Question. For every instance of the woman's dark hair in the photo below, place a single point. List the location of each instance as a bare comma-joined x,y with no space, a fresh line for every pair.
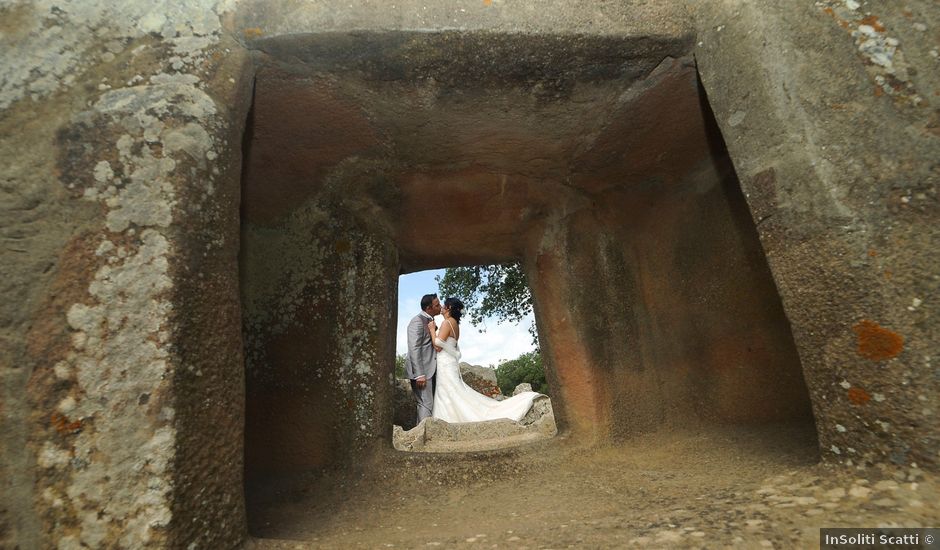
456,308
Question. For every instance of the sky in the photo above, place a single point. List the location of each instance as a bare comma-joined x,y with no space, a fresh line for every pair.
501,341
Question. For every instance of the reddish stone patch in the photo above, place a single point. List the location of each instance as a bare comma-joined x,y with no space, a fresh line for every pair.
300,131
63,426
858,396
662,133
483,209
763,199
872,21
48,338
877,343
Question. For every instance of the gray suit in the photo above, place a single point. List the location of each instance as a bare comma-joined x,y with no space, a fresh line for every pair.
421,360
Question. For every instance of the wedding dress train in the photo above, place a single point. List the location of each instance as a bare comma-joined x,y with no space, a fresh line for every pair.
455,401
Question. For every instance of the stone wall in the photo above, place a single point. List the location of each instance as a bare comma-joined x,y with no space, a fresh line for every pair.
570,135
122,358
660,289
319,303
830,112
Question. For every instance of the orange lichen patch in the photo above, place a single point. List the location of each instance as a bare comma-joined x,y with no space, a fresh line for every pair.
487,2
62,424
907,13
877,343
858,396
872,21
842,22
872,252
252,32
878,91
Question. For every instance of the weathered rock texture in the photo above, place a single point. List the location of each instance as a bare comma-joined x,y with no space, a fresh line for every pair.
836,148
437,436
175,314
482,379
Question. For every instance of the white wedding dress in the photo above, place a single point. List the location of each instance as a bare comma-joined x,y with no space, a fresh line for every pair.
455,401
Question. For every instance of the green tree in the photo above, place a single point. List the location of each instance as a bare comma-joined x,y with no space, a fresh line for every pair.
525,368
399,366
498,290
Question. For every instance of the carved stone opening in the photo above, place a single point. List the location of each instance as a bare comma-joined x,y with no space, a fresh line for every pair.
437,436
593,160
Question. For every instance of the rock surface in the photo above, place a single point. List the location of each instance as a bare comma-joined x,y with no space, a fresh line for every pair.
482,379
205,210
525,386
405,405
436,436
734,487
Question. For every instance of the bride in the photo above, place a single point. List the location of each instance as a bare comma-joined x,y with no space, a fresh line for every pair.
454,400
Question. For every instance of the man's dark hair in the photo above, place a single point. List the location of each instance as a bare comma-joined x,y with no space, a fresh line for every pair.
426,301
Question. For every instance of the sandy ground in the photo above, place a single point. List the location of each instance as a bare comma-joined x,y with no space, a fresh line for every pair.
739,488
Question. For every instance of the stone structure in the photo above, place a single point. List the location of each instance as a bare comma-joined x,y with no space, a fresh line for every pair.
482,379
436,436
728,212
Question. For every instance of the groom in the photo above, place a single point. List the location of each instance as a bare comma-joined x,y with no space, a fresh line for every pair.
421,362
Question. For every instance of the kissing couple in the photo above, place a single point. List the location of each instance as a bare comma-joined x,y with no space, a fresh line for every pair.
433,367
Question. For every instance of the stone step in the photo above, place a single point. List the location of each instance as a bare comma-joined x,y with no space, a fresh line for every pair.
434,435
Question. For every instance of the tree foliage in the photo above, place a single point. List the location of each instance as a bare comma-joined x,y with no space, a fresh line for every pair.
400,365
525,368
498,290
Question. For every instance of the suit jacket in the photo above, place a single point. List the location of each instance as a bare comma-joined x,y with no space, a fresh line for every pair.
421,358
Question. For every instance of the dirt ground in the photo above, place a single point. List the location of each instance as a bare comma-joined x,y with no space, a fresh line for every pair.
726,487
